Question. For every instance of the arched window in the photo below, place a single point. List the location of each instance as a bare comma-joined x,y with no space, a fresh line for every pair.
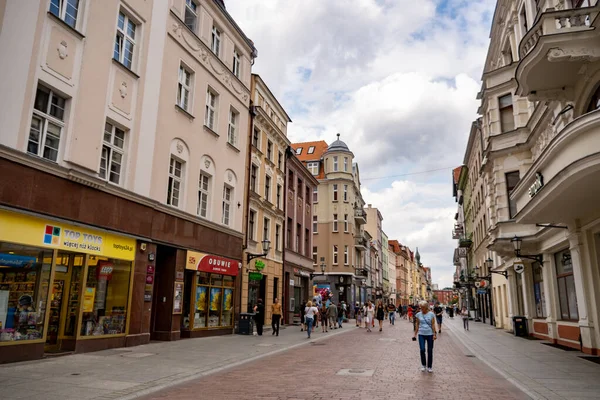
594,103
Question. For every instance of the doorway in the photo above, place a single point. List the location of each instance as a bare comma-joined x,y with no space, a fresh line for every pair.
256,290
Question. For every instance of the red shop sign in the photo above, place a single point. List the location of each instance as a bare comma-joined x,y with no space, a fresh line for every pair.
213,264
104,269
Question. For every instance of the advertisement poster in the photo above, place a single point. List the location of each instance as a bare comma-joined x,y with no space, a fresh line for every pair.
227,299
201,298
88,299
178,298
321,291
215,299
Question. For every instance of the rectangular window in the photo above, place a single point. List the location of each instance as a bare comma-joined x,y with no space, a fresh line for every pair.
191,16
269,150
345,192
346,223
215,44
507,119
346,260
236,63
313,167
291,181
280,161
253,174
298,237
335,222
66,10
203,193
299,183
47,123
288,238
299,151
335,254
307,195
184,88
256,138
226,204
266,229
211,109
277,237
345,164
538,291
306,242
279,196
175,179
567,294
315,195
311,149
232,131
335,192
512,179
335,163
315,224
252,225
267,188
125,41
111,160
315,255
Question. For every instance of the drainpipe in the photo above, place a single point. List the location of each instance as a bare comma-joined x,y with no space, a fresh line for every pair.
287,154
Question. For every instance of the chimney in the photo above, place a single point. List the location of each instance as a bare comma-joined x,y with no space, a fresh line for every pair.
370,205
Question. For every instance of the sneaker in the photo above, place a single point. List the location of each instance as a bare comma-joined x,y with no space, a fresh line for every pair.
423,368
430,370
440,331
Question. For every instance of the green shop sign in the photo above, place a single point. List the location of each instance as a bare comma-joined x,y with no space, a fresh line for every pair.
259,265
255,276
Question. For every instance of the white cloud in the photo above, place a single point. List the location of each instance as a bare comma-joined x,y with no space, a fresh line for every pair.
397,80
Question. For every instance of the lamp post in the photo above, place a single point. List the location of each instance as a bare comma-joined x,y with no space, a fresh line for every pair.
323,266
517,243
266,246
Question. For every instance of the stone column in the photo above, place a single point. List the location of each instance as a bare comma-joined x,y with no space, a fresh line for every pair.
528,296
551,295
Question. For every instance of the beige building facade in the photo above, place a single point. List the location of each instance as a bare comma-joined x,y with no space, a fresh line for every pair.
539,128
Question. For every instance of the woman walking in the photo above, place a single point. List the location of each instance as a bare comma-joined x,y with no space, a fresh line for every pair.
425,328
370,314
465,317
380,314
310,315
323,316
259,316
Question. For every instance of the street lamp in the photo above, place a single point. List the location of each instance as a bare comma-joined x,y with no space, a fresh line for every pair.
266,246
489,263
323,266
517,242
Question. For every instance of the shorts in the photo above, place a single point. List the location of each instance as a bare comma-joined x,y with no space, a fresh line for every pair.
438,318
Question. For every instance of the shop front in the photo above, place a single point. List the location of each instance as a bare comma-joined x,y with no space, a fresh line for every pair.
63,287
206,297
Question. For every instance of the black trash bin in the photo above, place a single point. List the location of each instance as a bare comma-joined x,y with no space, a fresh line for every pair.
246,325
520,326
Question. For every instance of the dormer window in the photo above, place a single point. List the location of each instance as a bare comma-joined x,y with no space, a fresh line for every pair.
299,151
311,149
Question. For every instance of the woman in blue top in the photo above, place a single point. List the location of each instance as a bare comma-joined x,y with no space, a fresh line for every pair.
425,328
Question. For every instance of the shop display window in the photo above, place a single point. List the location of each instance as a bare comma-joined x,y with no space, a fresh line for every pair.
24,280
105,297
213,301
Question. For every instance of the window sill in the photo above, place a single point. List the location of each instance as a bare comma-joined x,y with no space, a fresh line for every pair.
125,68
65,25
232,147
183,110
206,128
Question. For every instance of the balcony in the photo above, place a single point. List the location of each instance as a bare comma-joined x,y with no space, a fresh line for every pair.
360,216
360,243
555,53
465,242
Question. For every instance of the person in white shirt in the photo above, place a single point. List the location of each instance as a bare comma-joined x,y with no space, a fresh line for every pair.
310,315
369,314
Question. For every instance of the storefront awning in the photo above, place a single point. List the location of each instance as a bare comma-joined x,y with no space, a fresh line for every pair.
212,263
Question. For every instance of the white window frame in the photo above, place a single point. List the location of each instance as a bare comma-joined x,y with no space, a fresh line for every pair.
269,150
346,223
124,35
315,195
45,118
112,148
173,179
335,192
346,193
335,163
252,228
313,167
299,151
62,6
315,222
254,185
226,209
311,150
279,193
215,44
211,109
315,254
185,88
266,228
335,254
257,144
232,126
346,255
191,6
204,194
278,230
345,164
236,64
335,223
268,187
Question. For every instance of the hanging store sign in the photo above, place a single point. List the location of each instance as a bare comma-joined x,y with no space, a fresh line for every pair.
462,252
212,264
519,266
259,265
537,184
255,276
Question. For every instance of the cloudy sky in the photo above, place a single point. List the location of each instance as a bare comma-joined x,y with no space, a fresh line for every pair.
397,79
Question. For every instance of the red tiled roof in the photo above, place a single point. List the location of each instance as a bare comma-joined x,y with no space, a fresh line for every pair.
396,246
456,174
320,149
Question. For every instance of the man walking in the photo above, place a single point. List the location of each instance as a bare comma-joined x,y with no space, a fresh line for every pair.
276,317
340,314
332,313
439,315
392,313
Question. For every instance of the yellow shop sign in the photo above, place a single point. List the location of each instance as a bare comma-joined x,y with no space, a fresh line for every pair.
33,231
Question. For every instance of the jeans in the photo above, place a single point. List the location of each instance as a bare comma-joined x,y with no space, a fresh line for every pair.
429,340
340,320
466,323
275,323
309,325
392,317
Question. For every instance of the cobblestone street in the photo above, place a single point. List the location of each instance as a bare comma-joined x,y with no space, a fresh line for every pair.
355,365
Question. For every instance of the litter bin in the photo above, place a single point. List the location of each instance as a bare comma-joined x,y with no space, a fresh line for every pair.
246,325
520,326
